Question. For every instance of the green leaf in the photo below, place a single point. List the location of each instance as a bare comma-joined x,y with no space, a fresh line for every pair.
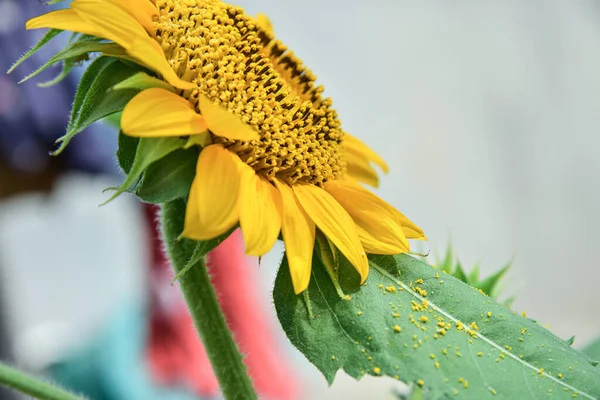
490,284
126,151
74,51
148,151
142,81
435,343
94,99
45,39
459,272
66,69
169,178
202,248
474,275
448,264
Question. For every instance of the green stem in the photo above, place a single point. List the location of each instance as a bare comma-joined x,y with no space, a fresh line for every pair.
15,379
204,307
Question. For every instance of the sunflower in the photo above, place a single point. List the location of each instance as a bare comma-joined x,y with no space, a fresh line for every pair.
274,156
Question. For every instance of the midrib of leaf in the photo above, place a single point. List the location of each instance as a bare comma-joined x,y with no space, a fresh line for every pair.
479,335
332,311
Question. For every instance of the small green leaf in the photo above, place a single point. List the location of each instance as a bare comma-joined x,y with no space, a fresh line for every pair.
74,51
335,264
126,151
142,81
85,83
148,151
45,39
201,250
490,284
64,72
459,272
169,178
455,341
94,99
112,102
448,264
474,275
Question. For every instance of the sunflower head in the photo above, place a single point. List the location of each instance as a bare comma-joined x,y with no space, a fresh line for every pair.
273,157
240,66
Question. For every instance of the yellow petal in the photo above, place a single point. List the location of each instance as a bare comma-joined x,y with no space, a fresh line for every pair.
373,246
260,212
355,145
360,169
335,223
411,231
263,22
375,217
216,188
299,236
138,45
67,20
149,53
157,112
223,123
355,191
191,213
142,11
114,23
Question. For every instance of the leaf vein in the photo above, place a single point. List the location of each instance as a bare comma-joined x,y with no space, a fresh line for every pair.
479,335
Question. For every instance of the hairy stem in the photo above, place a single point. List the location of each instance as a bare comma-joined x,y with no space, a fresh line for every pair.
204,307
32,386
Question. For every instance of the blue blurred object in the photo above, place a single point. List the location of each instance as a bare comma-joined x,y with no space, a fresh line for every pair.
114,366
32,118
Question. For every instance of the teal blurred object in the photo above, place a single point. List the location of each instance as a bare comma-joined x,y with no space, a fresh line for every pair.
114,366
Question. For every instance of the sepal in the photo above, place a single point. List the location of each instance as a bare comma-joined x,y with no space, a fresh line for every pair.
147,152
94,98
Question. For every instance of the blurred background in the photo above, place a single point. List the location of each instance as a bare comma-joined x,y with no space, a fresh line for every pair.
486,112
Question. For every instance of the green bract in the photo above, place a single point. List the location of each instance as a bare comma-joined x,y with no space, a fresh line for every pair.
489,285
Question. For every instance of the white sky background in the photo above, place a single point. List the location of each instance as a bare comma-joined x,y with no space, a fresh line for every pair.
488,114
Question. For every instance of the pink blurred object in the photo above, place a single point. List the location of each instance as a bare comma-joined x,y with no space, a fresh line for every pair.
175,353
